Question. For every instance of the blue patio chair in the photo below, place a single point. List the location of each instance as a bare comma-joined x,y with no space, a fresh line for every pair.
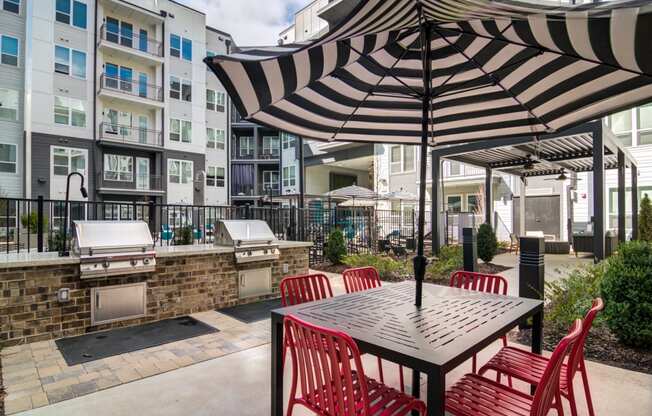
166,233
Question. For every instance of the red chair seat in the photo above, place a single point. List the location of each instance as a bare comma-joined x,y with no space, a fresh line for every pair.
474,395
523,365
384,400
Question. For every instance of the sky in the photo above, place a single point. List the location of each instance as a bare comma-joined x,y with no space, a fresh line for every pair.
250,22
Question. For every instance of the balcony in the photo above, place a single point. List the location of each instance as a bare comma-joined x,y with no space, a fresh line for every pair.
273,189
239,154
242,189
128,183
130,136
131,44
130,90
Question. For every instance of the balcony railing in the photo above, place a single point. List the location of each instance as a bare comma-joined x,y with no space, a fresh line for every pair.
129,181
242,189
131,87
133,41
269,189
130,135
238,154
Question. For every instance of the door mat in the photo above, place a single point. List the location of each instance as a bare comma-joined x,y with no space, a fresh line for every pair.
252,312
91,347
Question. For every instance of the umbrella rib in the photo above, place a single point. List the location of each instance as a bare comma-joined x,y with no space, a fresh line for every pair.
355,110
544,49
496,81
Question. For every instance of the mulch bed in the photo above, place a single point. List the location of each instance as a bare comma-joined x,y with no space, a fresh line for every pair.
329,268
601,346
491,268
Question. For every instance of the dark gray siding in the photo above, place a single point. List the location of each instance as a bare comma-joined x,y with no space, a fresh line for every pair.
199,164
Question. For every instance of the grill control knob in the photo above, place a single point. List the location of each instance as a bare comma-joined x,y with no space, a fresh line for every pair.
145,260
248,253
133,262
105,264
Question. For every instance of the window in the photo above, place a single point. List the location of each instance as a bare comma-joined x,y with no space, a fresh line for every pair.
8,104
408,158
645,124
454,168
175,87
395,159
289,176
69,62
180,130
179,171
186,49
270,181
214,138
69,111
270,146
209,54
118,168
215,100
9,48
119,32
454,203
66,160
186,90
67,9
401,159
7,158
175,45
472,203
215,177
621,125
288,141
11,6
613,204
246,146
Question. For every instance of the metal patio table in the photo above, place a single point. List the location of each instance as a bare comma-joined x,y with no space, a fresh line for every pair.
451,325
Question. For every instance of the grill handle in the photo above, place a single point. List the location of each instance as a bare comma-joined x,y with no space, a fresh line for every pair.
97,300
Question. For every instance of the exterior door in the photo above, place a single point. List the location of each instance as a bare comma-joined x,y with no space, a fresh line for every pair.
142,129
142,85
142,173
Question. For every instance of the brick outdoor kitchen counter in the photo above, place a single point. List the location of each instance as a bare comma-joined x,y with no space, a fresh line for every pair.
187,279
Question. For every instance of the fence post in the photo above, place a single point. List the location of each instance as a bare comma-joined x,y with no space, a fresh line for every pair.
39,223
470,249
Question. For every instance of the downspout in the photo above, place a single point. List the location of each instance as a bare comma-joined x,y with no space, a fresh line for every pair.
92,185
27,107
227,138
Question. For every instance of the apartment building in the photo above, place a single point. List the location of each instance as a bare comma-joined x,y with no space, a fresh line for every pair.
117,91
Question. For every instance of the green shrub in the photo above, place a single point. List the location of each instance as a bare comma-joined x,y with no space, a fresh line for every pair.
31,221
487,243
570,298
184,236
449,260
55,241
335,248
388,268
645,220
627,291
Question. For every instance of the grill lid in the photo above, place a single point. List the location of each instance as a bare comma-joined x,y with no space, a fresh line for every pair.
239,232
112,236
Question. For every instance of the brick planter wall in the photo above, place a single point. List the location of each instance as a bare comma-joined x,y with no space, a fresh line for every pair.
181,284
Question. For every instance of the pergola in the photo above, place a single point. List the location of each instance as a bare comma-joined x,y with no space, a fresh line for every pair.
589,147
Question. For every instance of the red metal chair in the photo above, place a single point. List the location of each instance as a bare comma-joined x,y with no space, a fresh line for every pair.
332,387
359,279
487,283
474,395
530,367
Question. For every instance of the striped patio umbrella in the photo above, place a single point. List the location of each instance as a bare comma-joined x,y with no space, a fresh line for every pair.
434,72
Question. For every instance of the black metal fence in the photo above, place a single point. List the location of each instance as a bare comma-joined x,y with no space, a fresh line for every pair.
37,224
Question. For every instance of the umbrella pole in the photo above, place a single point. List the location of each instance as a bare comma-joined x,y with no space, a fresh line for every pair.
420,259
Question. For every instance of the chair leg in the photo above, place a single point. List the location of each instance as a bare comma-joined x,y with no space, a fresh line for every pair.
558,405
380,370
401,379
587,390
474,364
571,400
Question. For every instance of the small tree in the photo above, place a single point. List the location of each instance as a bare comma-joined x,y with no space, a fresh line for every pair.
487,243
335,249
645,220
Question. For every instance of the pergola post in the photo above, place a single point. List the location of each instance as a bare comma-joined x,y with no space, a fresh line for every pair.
634,171
621,197
598,196
435,161
488,197
521,207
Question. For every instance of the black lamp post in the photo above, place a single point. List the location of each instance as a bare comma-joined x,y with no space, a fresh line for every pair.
64,251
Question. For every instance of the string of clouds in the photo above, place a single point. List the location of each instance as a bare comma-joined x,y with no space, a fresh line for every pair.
250,22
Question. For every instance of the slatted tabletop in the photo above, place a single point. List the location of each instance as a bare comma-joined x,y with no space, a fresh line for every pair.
449,327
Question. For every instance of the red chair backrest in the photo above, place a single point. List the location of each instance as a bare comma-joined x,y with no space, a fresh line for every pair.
577,352
360,278
482,282
328,385
549,384
304,288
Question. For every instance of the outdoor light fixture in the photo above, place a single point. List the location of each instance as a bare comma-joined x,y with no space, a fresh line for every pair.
64,250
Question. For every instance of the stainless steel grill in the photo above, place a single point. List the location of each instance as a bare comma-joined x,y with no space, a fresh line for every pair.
252,240
107,248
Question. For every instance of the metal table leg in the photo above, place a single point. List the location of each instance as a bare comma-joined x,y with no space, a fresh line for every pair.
277,367
436,396
416,387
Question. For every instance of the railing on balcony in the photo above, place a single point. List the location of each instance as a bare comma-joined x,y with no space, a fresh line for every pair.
269,154
130,135
251,154
273,189
131,87
129,181
133,41
236,117
242,189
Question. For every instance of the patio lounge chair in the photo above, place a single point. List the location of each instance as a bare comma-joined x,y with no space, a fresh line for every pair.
530,367
363,278
488,283
474,395
330,386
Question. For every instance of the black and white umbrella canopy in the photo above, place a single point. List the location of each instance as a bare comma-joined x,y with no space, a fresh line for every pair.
498,69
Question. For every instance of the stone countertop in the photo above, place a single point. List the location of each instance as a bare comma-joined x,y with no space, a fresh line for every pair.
29,259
